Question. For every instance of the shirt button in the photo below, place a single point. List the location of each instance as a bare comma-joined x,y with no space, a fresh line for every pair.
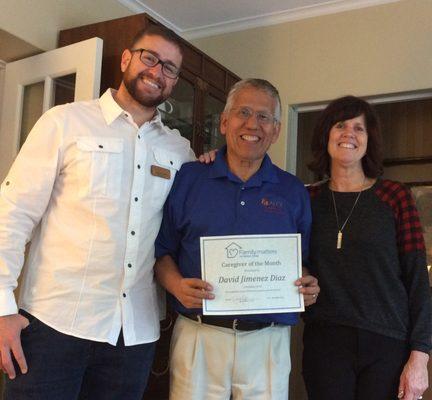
242,203
7,183
138,166
139,137
100,146
132,232
130,265
136,198
242,188
171,162
124,294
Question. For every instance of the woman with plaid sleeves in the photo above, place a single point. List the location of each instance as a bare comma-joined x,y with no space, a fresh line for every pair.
369,334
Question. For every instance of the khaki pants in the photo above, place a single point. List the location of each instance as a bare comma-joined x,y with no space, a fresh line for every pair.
213,363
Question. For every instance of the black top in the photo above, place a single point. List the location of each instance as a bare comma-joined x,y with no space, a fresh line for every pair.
378,280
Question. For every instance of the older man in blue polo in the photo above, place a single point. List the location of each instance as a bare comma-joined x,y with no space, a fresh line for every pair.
231,356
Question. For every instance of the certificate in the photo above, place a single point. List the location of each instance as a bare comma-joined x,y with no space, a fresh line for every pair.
252,274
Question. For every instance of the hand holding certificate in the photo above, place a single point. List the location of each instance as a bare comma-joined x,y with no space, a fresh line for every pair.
252,274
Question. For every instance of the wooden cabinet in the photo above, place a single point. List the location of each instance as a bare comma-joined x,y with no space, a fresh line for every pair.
193,108
199,96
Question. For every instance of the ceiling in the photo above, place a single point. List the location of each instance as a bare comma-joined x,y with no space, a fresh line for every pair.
199,18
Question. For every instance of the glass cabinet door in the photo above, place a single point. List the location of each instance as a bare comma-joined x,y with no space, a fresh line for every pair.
177,111
195,109
213,108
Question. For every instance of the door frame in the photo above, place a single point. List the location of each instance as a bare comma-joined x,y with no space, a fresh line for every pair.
83,58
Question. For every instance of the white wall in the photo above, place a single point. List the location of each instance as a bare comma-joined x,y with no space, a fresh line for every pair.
38,22
371,51
2,71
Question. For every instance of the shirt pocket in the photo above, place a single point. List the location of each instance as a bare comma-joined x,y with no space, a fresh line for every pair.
161,186
100,161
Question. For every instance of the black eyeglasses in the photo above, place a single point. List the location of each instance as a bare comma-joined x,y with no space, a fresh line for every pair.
149,59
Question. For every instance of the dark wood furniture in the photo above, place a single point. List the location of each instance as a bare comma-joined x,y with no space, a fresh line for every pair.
193,108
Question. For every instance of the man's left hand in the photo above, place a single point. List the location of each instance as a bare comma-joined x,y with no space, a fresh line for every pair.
308,286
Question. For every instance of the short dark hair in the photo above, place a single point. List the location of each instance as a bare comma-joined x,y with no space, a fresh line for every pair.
341,109
156,30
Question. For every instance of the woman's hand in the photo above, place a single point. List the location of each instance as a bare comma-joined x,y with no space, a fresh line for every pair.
414,378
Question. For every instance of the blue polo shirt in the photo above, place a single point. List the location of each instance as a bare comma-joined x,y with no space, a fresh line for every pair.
208,200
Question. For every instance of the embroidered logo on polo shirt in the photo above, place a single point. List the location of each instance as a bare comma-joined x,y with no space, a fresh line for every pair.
274,206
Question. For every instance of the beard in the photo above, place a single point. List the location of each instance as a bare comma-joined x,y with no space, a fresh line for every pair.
141,97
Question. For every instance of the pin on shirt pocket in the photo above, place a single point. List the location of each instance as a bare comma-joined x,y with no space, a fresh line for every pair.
164,166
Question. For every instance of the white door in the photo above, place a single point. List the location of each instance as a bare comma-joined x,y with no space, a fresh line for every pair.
82,61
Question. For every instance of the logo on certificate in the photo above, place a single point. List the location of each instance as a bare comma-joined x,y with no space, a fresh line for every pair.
232,250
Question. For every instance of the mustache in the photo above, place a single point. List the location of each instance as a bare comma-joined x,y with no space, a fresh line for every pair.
145,74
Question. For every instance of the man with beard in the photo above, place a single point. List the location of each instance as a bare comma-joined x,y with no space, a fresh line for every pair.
88,188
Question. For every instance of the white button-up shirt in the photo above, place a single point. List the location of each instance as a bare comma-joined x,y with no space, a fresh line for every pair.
83,190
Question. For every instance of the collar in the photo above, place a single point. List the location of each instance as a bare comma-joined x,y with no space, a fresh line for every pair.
111,109
266,173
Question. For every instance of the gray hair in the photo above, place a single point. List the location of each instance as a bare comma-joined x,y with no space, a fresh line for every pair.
260,84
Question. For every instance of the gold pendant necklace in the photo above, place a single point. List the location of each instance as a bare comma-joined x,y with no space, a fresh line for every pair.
341,228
